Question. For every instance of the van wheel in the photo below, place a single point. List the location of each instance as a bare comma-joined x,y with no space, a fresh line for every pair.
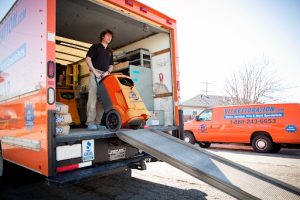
113,121
189,137
204,144
262,144
276,148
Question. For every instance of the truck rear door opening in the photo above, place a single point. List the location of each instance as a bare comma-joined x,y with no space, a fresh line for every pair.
141,50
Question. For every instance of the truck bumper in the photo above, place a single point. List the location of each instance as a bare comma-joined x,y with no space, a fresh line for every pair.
101,170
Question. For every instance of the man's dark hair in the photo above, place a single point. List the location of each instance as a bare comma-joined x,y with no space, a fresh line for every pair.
103,33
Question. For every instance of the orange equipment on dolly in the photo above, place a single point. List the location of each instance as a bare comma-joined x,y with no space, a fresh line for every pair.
121,102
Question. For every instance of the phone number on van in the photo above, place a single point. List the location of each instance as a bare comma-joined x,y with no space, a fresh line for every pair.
253,121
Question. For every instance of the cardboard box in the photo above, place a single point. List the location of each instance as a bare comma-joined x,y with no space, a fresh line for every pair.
62,108
62,130
63,119
121,66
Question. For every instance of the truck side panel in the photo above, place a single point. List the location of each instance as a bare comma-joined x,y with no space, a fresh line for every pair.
23,116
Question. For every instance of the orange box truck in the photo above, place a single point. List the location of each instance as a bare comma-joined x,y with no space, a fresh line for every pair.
38,36
264,126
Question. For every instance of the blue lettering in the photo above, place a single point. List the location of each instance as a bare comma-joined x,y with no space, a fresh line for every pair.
11,24
13,57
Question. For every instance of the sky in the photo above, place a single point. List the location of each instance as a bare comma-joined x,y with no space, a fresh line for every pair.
217,38
4,7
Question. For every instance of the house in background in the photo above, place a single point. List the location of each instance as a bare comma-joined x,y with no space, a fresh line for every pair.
197,104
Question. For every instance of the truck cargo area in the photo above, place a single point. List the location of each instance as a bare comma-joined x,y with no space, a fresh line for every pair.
141,50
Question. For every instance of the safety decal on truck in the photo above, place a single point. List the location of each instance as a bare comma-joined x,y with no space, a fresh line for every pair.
291,128
29,116
115,154
88,150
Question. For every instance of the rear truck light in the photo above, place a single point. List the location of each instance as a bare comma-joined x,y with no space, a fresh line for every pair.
145,126
50,95
169,21
143,9
73,167
129,2
51,69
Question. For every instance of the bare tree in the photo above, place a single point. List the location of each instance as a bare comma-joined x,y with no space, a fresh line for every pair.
254,84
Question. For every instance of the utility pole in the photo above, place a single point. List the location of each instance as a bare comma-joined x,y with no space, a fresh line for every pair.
206,87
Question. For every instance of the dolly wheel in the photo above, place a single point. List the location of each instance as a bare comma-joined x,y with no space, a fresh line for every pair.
113,121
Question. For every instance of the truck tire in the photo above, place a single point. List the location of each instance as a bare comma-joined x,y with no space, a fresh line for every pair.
204,144
1,163
189,137
126,173
113,121
276,148
262,144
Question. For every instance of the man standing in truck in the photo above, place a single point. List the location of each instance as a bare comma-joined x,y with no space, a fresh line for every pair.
100,61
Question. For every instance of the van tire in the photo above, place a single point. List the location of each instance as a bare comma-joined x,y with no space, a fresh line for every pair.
189,137
276,148
204,144
113,121
262,144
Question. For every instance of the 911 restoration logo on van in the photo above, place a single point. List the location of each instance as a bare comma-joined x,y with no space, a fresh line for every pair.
254,112
202,128
254,115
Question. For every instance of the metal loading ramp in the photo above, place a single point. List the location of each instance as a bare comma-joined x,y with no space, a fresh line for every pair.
232,178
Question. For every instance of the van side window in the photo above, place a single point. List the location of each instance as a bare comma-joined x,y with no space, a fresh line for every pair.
206,115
